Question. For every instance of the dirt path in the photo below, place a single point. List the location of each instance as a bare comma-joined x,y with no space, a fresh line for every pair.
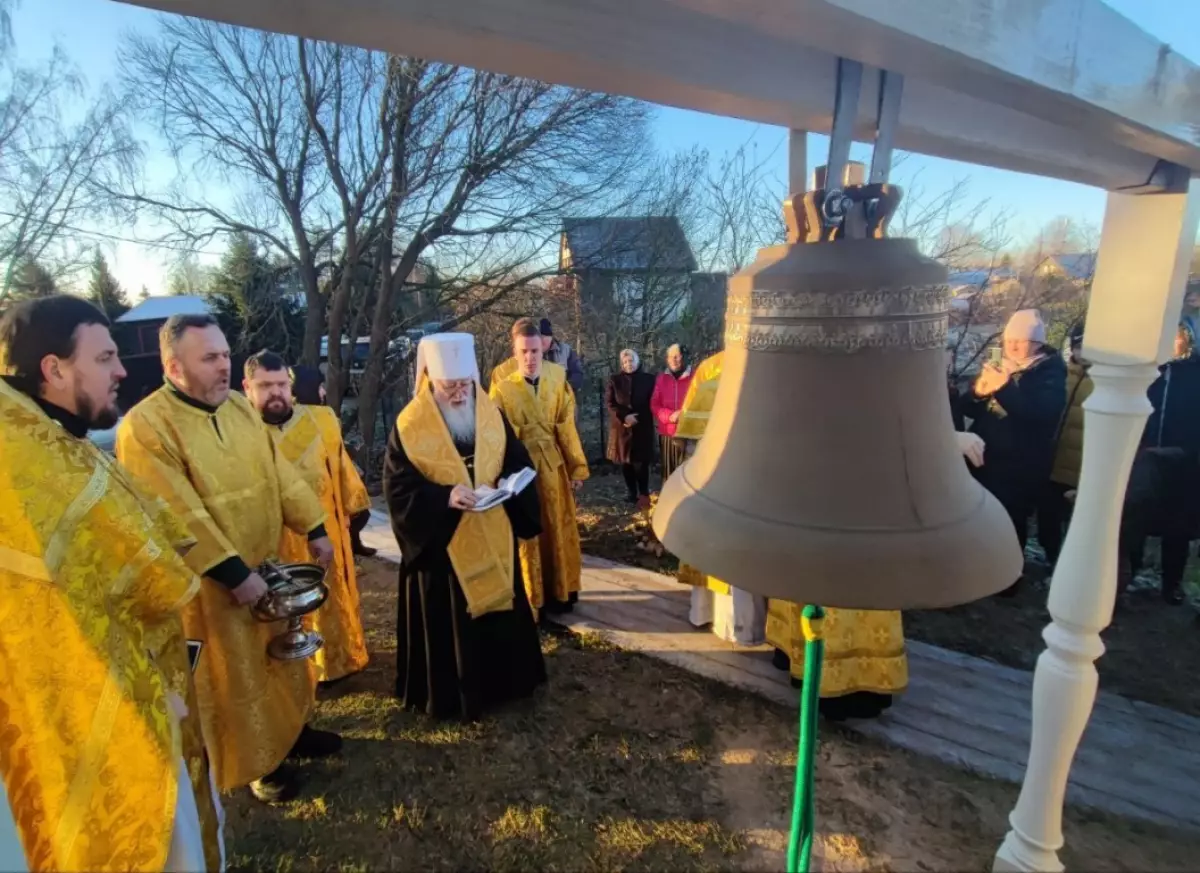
741,775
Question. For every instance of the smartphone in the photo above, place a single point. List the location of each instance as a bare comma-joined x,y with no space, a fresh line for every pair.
995,356
194,647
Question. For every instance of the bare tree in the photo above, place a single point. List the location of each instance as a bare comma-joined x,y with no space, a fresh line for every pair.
54,173
481,170
7,7
230,104
188,276
393,186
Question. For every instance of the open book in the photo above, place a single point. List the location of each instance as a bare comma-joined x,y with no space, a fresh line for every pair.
507,487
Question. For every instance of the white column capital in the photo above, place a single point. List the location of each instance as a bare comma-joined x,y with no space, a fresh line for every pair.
1120,389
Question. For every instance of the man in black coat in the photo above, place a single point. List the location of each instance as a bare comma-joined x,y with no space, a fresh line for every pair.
1016,407
631,425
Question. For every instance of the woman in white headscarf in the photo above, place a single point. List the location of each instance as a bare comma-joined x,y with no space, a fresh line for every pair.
631,425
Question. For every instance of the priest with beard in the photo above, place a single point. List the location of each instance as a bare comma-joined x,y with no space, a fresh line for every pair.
310,438
466,640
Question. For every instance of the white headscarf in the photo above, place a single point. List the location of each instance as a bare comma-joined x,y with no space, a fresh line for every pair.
1025,324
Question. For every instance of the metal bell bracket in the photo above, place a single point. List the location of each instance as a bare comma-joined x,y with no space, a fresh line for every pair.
831,212
835,210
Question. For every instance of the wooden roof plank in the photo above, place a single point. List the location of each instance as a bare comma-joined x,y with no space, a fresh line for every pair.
1062,88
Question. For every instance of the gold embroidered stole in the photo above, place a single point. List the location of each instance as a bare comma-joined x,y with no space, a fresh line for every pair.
481,550
502,371
300,442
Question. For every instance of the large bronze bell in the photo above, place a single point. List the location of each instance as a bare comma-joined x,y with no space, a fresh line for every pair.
829,472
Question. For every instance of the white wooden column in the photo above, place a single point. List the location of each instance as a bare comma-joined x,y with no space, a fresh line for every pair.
1145,249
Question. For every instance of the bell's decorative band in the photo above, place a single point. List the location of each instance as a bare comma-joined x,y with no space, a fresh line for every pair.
844,337
929,300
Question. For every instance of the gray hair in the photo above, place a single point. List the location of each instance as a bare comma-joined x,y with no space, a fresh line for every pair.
176,326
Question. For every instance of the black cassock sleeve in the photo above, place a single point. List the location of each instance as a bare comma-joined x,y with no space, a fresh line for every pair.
524,510
422,519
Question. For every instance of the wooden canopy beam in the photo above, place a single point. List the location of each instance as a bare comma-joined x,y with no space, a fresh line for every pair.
1061,88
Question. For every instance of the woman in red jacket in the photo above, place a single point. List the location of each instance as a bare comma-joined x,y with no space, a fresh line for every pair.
670,389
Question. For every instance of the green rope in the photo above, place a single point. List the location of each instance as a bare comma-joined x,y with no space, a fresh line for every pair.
803,808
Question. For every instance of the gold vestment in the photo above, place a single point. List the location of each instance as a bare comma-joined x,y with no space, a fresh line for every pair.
544,420
311,440
90,645
221,474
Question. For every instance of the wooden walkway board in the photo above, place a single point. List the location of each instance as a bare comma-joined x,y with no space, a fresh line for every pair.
1136,759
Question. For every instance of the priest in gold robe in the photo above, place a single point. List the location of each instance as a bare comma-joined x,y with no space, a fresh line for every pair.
466,640
204,451
864,666
539,404
734,615
310,438
102,759
503,370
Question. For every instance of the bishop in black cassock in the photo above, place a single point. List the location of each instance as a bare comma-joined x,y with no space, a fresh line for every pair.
466,639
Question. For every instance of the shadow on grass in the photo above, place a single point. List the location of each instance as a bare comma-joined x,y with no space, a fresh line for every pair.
569,779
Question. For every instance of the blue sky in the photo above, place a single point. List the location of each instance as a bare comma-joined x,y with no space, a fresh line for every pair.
90,30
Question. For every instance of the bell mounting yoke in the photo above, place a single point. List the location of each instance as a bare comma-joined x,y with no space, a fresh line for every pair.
838,210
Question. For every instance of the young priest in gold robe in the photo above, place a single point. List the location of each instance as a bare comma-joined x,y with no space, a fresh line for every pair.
102,759
539,404
466,639
734,615
204,451
310,438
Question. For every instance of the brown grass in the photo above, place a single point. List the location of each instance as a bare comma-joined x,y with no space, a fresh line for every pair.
625,763
611,528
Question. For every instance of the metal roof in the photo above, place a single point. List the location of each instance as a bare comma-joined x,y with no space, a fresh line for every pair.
1077,266
162,308
654,243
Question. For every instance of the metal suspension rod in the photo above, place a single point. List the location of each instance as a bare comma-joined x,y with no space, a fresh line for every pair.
845,114
891,90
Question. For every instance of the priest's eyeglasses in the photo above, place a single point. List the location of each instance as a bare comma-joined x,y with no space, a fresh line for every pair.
455,388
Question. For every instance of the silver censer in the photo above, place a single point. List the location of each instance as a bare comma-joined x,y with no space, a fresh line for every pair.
294,591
